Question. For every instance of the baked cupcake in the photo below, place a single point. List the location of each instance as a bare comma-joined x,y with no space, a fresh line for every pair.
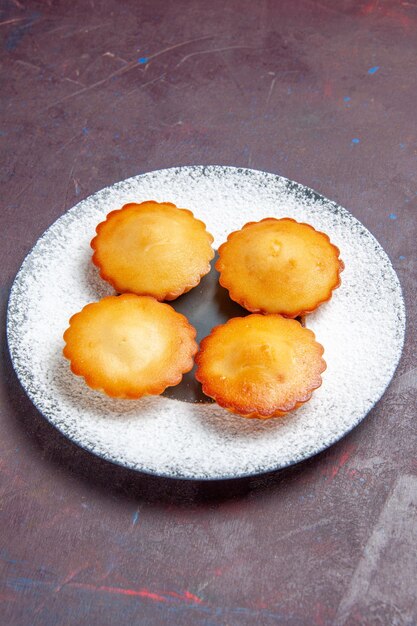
152,249
129,346
260,366
279,266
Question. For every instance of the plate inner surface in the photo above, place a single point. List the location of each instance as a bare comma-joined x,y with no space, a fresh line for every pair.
361,329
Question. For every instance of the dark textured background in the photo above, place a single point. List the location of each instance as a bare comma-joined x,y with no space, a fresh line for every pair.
321,92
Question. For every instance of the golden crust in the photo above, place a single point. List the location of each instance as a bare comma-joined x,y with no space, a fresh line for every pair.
279,266
129,346
260,366
152,249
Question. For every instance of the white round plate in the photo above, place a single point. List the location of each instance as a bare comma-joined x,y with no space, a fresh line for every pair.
361,329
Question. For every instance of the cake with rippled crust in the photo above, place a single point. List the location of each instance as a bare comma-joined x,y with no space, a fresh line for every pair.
260,366
152,248
279,266
129,346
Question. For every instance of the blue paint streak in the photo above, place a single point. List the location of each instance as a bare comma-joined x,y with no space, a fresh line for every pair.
85,130
373,70
347,99
135,517
6,558
143,60
355,140
392,216
22,583
401,257
402,145
17,33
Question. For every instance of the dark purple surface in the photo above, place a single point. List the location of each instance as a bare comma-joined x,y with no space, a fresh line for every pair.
321,92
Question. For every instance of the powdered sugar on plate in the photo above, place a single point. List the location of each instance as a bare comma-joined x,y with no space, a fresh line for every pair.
361,329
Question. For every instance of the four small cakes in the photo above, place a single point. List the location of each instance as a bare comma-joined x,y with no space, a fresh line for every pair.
260,366
152,248
279,266
129,346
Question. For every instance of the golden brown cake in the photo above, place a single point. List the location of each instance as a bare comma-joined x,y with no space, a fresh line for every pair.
129,346
279,266
260,366
152,248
